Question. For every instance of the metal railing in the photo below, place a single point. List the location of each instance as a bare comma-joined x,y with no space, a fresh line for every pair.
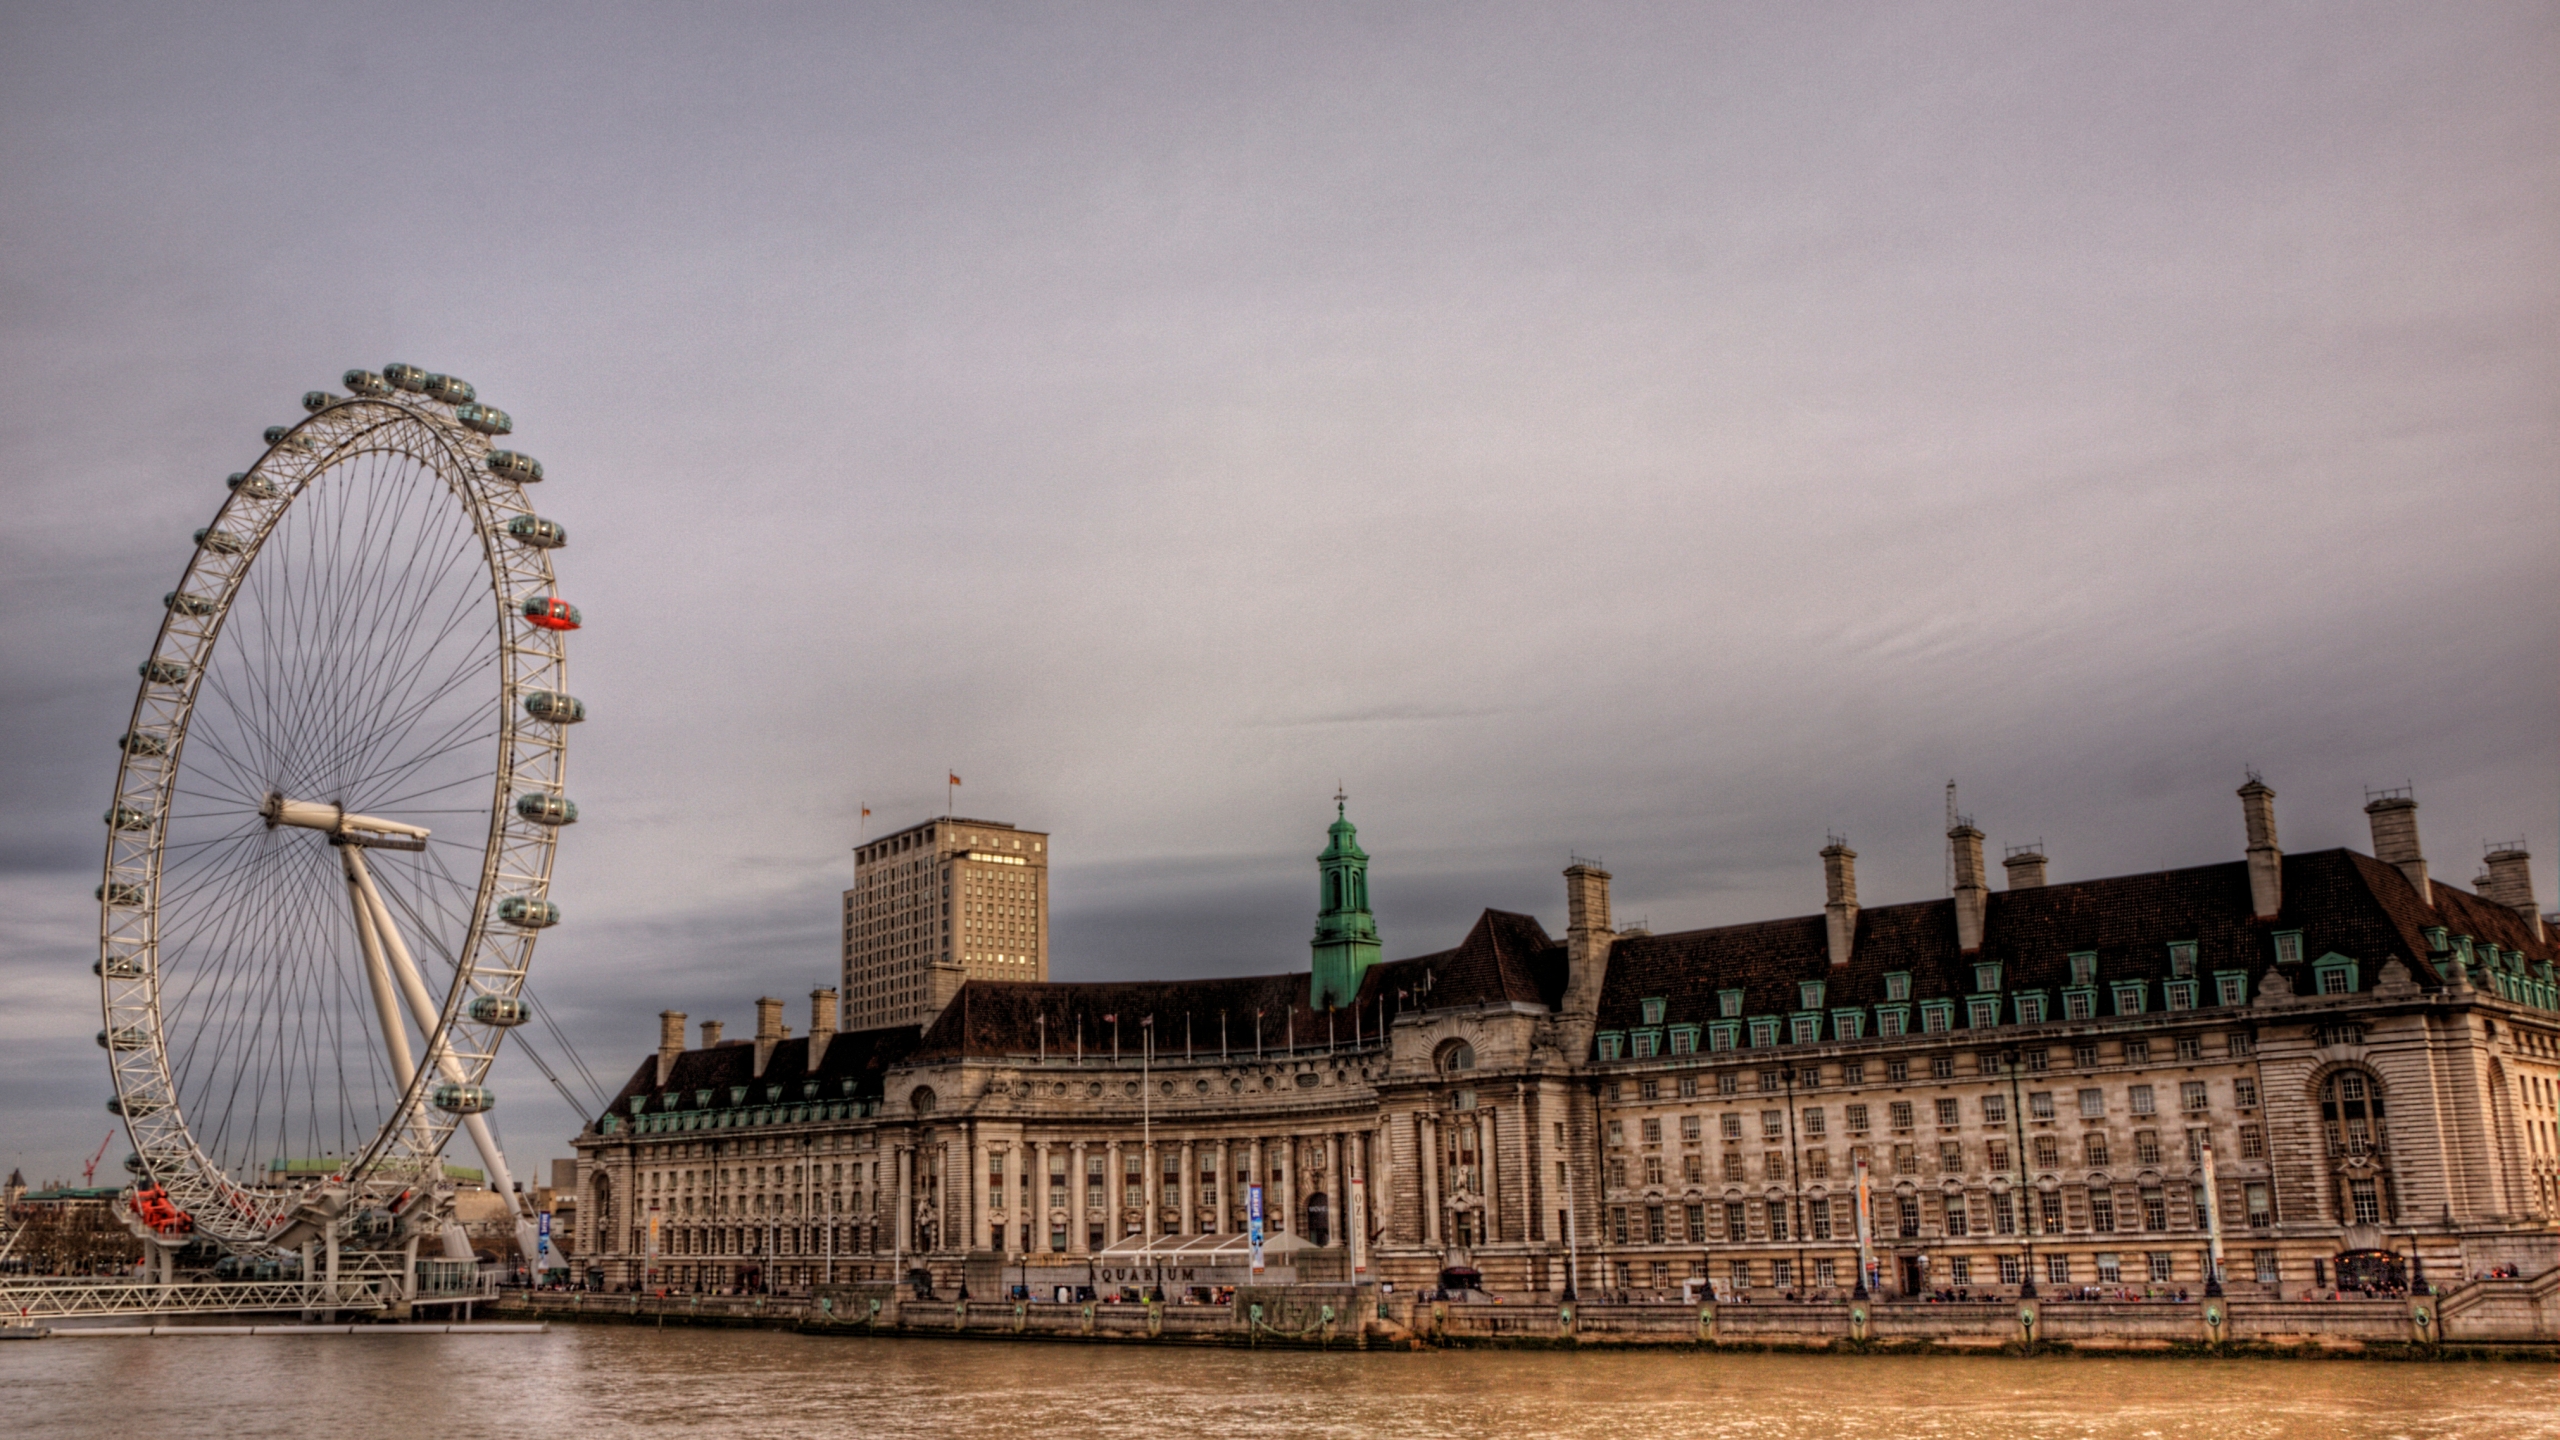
23,1301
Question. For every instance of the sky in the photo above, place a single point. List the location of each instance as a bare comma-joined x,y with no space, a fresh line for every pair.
1665,434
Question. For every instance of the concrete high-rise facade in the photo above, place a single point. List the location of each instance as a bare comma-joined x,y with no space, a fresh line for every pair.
936,904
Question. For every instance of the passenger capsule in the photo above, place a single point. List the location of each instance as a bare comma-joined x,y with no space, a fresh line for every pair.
125,817
451,389
120,892
133,1164
220,542
143,742
123,1037
528,913
185,604
316,401
558,707
552,613
487,419
407,377
256,487
544,808
537,532
455,1099
362,382
514,465
274,434
165,672
503,1010
116,967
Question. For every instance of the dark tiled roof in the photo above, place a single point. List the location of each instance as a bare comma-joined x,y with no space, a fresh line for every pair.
2340,901
1505,957
861,1056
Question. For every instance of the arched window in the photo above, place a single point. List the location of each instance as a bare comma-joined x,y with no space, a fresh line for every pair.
1457,1055
2351,1113
920,1100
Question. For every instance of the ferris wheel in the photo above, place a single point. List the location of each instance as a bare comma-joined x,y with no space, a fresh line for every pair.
329,851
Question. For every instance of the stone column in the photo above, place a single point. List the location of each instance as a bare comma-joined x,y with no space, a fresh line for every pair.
1112,1200
1489,1144
1225,1189
1150,1192
1426,1149
979,1216
904,1220
1337,1190
1288,1158
1259,1178
1075,1199
1190,1191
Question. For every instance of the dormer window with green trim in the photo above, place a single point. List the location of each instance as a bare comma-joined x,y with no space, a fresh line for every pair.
2182,959
1897,985
2288,947
2181,994
2439,940
1893,1021
1652,1010
1644,1044
1986,976
1729,1004
701,1099
737,1094
1848,1024
1764,1032
2333,974
2084,967
1724,1035
2030,1005
1684,1039
1937,1017
1613,1044
2130,995
2231,987
1809,994
1982,1012
2080,1002
1805,1029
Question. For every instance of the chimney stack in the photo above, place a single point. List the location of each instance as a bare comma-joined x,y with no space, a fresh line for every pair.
1973,896
1840,897
2394,814
1586,943
2511,883
822,1024
2025,866
710,1034
670,1042
2266,862
769,1031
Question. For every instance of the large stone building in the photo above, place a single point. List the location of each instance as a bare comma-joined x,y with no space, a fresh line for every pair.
938,904
2035,1085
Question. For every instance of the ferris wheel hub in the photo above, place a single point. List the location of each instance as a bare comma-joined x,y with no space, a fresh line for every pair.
343,828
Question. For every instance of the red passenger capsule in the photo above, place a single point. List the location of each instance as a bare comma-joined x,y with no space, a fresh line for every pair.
551,612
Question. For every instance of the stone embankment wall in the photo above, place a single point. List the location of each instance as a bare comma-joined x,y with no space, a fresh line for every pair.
2482,1317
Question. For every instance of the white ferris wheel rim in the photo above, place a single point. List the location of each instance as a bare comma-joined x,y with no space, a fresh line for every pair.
490,959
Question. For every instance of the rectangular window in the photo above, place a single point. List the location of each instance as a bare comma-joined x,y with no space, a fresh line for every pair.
1805,1029
1653,1227
1855,1113
2084,967
1722,1036
2182,958
2146,1147
1848,1024
1773,1124
2030,1008
1853,1072
1732,1126
2094,1150
1739,1274
1819,1213
2039,1104
1651,1130
1825,1274
2084,1054
2191,1096
1612,1046
1777,1220
1937,1017
1653,1169
1690,1127
1782,1273
1736,1229
2093,1102
2366,1200
1982,1014
1951,1157
1697,1218
1764,1033
2130,995
1651,1011
2004,1213
2181,994
2335,979
2195,1148
2012,1269
2102,1212
1649,1089
1644,1044
1617,1132
2137,1052
1897,1070
1811,1119
1995,1156
1618,1224
2079,1004
2244,1092
1773,1165
1897,985
2137,1099
1772,1081
1817,1163
2263,1262
2190,1047
1960,1270
1728,1083
2049,1210
2057,1269
2230,987
2160,1265
1901,1114
1892,1022
2155,1210
2288,947
1909,1216
1809,994
1906,1160
1995,1109
1684,1041
1959,1218
2253,1143
1948,1119
1617,1173
1729,1004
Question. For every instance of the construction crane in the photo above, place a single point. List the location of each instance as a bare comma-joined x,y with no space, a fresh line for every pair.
89,1172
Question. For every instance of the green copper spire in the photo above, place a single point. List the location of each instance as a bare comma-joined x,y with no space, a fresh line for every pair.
1346,942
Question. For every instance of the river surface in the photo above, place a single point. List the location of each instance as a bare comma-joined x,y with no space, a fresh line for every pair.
583,1381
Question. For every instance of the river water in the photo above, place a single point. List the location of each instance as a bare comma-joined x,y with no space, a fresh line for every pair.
582,1381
